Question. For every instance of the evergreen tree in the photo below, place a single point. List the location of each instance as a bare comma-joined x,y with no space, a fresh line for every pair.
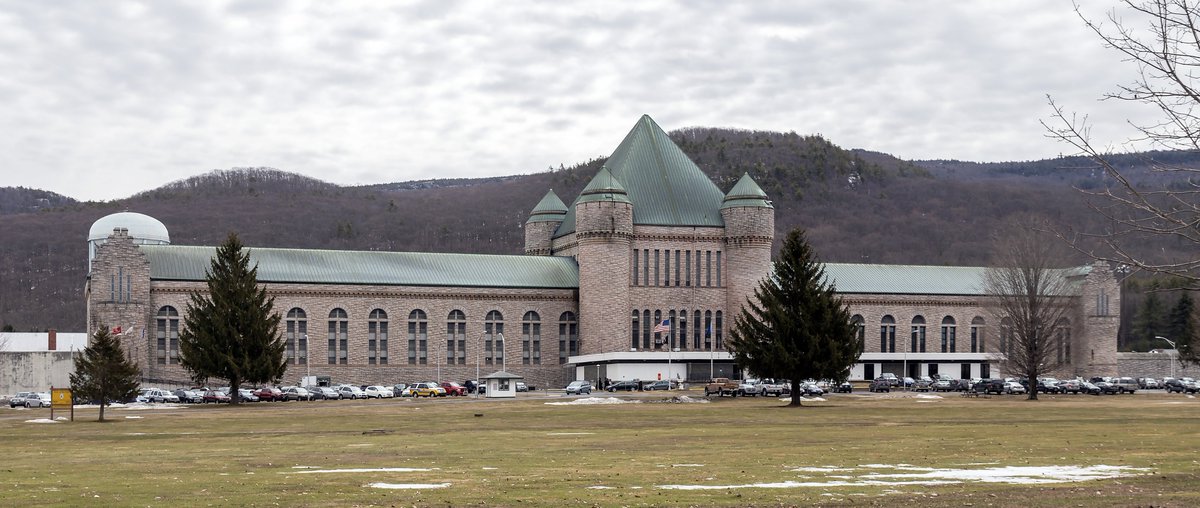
103,373
1150,320
796,327
232,331
1182,329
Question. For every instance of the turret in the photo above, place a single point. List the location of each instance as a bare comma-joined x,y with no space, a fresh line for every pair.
1095,351
543,221
603,231
749,232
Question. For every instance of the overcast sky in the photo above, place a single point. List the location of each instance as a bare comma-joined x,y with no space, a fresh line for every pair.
100,100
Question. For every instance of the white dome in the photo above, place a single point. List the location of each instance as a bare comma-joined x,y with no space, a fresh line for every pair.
140,226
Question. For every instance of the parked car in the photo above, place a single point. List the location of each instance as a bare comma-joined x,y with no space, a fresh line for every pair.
1125,384
19,399
1150,383
1048,385
269,394
923,384
247,395
812,389
215,396
944,383
1089,388
1013,388
351,392
844,387
661,384
890,378
424,390
323,392
296,393
157,395
188,396
398,389
1107,388
471,385
623,386
985,386
378,392
1181,386
750,387
521,386
880,385
1072,386
455,389
39,399
579,388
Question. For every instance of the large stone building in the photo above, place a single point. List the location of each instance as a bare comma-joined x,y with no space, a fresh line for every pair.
639,278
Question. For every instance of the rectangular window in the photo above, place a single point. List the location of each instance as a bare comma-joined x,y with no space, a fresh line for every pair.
708,268
656,267
423,342
173,342
383,343
343,342
974,339
953,339
332,349
718,268
635,267
302,339
562,343
289,344
687,259
162,341
699,272
412,342
667,267
676,268
371,342
646,266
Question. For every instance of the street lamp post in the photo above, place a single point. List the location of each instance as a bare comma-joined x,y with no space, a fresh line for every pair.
1173,348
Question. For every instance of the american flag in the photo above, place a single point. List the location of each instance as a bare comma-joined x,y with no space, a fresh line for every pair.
663,327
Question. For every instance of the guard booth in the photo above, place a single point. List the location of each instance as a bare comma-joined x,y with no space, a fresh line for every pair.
501,385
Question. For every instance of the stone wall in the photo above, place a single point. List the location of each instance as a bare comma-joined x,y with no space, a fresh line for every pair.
1155,365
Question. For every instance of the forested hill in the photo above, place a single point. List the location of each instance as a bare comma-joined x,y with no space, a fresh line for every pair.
858,206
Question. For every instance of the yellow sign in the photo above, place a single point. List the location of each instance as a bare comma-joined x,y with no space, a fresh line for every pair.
60,398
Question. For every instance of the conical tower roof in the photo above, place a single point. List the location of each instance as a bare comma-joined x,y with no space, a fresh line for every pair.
746,192
603,187
664,185
549,209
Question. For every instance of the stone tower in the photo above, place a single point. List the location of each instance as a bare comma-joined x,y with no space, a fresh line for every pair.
1100,305
604,230
118,295
543,222
749,232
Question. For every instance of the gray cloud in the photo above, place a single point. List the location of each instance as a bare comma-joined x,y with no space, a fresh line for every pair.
103,100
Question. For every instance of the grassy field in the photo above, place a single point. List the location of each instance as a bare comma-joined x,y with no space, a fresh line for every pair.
527,453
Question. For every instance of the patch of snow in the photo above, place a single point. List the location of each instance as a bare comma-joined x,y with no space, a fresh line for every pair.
133,417
792,485
361,470
488,468
600,487
928,396
380,485
1020,474
814,399
40,420
594,400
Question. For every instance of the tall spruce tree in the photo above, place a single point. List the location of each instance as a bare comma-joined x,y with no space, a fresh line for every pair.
796,326
103,373
1182,329
232,332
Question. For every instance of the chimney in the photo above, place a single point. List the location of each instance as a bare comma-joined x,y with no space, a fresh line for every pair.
52,341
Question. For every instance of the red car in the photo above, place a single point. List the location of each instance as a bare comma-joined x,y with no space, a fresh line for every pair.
215,396
454,389
269,394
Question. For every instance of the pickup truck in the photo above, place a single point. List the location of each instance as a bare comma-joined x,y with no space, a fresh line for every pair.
722,386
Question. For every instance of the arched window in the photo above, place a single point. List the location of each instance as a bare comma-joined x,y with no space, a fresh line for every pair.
696,323
708,335
860,331
887,334
719,328
916,343
658,336
683,319
167,325
1062,336
296,336
646,326
418,338
1006,338
674,329
339,339
637,329
456,338
949,334
568,337
377,333
531,339
493,338
977,335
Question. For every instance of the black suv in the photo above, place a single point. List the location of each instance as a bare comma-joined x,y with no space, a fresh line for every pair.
989,386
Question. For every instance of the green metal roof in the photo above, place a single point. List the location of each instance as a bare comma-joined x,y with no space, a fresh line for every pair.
914,279
549,209
603,187
189,263
665,186
746,193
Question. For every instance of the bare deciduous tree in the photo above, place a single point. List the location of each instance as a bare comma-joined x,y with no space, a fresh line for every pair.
1029,293
1163,40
